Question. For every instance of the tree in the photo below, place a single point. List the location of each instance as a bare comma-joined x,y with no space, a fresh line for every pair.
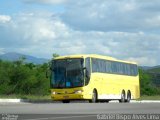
146,86
23,78
54,55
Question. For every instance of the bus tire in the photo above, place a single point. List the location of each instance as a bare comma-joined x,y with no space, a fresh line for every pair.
123,95
107,101
65,101
94,97
103,101
128,96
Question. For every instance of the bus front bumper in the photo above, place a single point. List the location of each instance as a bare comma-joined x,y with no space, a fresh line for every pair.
70,94
67,97
78,96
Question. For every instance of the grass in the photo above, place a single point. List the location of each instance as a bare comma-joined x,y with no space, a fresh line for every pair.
156,97
31,97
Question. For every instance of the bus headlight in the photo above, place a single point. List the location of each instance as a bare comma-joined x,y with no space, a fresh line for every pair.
53,92
78,91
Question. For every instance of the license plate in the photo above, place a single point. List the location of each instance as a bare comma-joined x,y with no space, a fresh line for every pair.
65,97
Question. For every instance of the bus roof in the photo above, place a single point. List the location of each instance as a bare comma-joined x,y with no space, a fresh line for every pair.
93,56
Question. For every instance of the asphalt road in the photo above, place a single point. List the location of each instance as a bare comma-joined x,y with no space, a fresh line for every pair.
72,111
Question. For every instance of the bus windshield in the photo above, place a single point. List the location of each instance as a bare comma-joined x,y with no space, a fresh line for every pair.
67,73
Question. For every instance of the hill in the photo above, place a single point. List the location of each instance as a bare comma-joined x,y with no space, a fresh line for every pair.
151,69
155,69
13,56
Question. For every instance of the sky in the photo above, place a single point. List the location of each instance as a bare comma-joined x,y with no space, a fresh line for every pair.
124,29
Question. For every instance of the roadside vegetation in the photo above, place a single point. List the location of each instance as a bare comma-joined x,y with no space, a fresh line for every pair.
19,78
31,97
28,81
152,97
147,87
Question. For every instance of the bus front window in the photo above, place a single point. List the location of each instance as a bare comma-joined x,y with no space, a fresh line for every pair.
67,73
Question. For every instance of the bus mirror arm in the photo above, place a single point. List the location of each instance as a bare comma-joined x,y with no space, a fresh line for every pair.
51,69
84,68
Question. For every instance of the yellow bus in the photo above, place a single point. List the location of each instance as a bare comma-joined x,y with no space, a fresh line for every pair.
93,77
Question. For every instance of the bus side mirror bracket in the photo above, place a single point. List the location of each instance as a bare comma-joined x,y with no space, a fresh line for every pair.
84,68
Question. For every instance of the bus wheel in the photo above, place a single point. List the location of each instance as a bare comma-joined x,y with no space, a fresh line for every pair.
122,100
128,96
66,101
107,101
94,97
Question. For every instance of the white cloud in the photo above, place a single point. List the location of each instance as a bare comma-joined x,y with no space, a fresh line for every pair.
1,51
33,33
4,18
43,34
127,30
144,61
46,1
154,21
113,15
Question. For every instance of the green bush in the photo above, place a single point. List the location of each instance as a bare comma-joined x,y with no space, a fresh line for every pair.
146,85
23,78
